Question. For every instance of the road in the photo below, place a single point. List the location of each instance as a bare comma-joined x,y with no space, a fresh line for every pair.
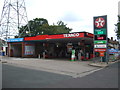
16,77
105,78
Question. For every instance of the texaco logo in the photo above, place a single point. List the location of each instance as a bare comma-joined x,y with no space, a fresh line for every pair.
99,22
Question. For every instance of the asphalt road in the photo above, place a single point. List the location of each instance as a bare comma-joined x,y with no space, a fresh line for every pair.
105,78
16,77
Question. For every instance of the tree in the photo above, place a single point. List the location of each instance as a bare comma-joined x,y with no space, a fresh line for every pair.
118,28
40,26
35,27
60,28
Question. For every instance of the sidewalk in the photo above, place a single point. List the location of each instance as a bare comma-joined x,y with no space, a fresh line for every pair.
98,63
71,68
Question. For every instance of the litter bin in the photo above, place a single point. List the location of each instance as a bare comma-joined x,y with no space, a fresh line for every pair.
3,53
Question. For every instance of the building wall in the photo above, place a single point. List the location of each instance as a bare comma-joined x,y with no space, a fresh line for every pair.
113,43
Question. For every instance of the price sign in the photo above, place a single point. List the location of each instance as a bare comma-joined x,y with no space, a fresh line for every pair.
100,37
99,31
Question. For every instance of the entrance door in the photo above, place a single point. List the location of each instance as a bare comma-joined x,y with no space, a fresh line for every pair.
16,50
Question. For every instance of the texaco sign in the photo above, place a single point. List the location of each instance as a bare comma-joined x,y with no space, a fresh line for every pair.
99,22
100,34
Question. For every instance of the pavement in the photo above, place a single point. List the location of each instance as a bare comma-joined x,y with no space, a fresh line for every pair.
98,63
59,66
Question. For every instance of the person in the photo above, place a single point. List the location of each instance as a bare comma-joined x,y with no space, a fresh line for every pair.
44,54
73,55
79,54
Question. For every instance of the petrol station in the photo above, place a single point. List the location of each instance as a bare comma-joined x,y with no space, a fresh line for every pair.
53,46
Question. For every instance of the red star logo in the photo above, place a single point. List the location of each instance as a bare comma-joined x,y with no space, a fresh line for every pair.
99,22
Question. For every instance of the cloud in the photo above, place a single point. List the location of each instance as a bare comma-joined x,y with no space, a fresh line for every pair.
71,17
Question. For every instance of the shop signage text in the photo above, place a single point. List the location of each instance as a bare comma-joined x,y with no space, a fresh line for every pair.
15,40
102,54
100,34
100,42
100,37
100,50
29,49
99,31
72,35
100,46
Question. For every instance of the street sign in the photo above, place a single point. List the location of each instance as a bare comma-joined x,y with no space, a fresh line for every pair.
100,46
100,42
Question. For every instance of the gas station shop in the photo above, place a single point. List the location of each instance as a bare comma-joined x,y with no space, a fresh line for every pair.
53,46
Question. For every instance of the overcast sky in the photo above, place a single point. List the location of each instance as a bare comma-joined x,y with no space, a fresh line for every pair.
77,14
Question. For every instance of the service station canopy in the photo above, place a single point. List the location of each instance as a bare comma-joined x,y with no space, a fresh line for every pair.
69,37
63,38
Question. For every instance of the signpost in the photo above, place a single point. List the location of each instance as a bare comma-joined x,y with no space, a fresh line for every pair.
100,36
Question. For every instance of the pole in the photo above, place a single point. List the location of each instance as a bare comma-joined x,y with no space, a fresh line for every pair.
106,42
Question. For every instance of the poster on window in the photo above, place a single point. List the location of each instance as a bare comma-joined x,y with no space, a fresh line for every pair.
29,49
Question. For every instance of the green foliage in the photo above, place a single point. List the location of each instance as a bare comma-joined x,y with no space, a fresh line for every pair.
35,26
40,26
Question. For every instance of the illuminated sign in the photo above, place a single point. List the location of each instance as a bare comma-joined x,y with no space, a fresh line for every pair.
99,31
100,34
100,50
100,37
100,42
72,35
102,54
100,46
15,40
100,22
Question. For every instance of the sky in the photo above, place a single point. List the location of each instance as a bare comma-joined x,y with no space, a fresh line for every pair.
77,14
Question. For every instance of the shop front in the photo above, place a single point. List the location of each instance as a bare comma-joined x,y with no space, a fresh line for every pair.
15,47
57,46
